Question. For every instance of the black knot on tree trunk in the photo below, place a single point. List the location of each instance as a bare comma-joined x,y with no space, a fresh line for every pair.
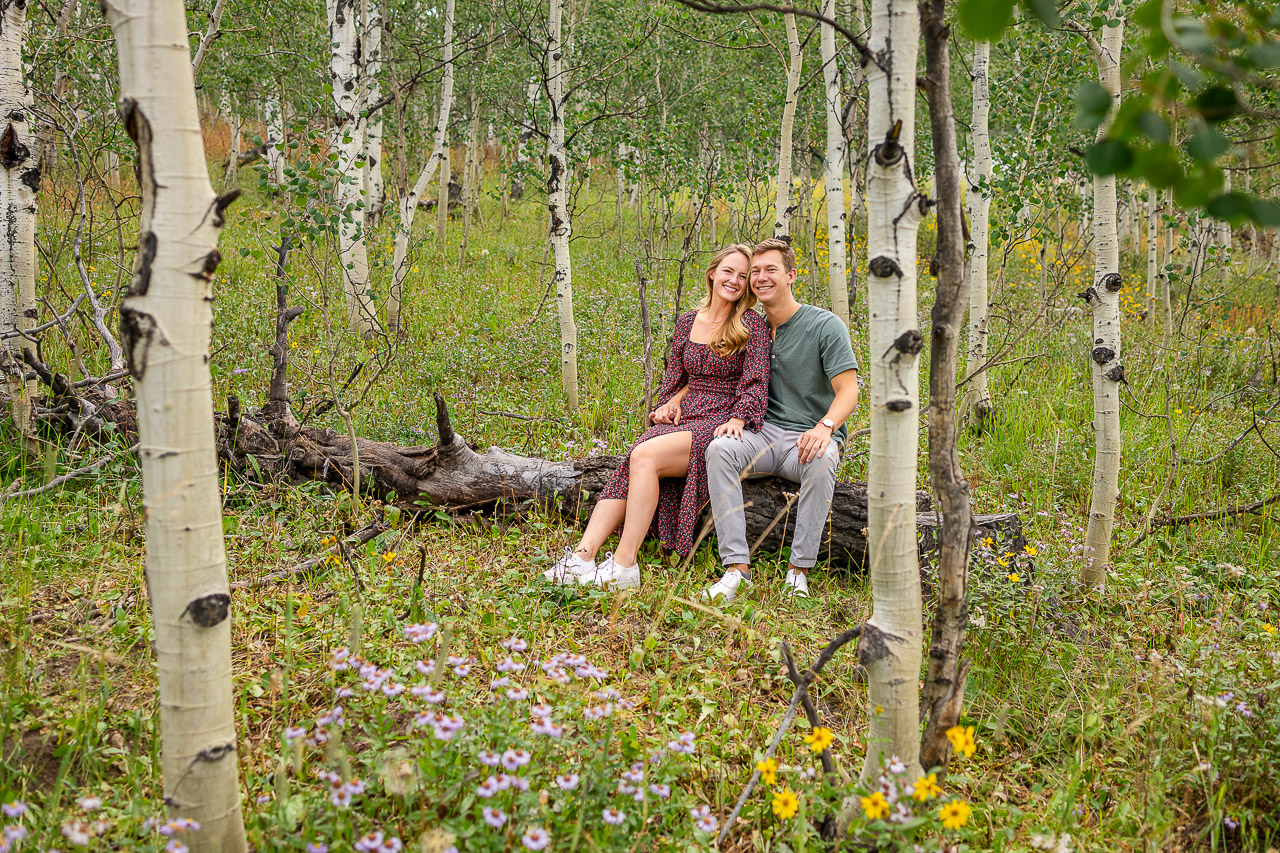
1101,355
209,610
883,266
889,152
898,405
909,342
1116,374
1089,296
1112,282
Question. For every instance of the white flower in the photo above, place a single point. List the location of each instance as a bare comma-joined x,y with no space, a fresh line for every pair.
535,838
89,804
514,644
420,633
567,781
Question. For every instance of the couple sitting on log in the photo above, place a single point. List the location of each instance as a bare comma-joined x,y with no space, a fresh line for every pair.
742,395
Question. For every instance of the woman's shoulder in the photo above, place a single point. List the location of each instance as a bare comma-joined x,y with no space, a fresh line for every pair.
686,318
755,321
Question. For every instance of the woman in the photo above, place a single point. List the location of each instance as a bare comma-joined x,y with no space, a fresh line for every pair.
716,383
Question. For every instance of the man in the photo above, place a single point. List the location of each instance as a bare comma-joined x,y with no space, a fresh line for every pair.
813,389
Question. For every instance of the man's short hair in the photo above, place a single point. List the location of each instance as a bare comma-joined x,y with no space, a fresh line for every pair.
777,244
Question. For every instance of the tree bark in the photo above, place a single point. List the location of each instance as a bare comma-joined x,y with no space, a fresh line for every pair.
834,169
531,91
347,139
945,679
19,183
1153,251
890,648
782,206
212,31
275,140
409,204
1104,299
375,188
558,176
166,322
233,153
977,390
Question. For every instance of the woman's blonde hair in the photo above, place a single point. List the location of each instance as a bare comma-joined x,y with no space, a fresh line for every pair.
732,335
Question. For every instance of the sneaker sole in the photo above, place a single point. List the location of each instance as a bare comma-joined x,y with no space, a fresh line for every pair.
622,583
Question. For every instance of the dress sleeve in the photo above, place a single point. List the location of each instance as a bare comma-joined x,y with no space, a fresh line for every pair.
752,396
674,377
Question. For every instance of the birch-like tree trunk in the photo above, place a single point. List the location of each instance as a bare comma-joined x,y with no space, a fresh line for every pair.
375,188
233,152
212,31
19,183
62,79
558,204
347,140
275,140
166,321
531,90
1153,251
1223,229
409,204
782,206
978,391
1104,300
890,648
834,169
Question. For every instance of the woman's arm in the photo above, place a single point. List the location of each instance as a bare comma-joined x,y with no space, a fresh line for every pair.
669,412
674,379
751,398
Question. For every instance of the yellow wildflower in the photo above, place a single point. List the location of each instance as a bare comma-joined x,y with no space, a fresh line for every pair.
785,803
988,541
768,771
1268,627
389,557
962,740
1004,564
1015,577
955,814
927,787
1030,551
875,807
819,739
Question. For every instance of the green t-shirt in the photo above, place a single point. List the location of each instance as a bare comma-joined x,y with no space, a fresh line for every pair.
808,350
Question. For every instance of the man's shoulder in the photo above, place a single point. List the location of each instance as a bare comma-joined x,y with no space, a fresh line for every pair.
822,319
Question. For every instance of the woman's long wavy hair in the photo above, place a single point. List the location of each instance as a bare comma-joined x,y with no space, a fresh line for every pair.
732,335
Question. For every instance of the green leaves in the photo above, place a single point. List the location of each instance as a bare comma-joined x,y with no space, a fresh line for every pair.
1092,103
1108,157
1206,144
985,20
1217,103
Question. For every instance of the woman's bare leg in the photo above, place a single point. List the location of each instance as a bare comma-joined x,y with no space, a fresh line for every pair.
605,518
661,456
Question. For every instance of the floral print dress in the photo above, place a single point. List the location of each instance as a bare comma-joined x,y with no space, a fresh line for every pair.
719,389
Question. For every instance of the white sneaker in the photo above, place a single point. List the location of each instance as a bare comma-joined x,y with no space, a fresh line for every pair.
797,585
569,568
610,574
727,586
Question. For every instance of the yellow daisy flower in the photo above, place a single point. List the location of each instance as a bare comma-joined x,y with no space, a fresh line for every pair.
927,787
389,557
819,739
875,807
1030,551
785,803
1268,627
768,771
1015,577
955,814
962,740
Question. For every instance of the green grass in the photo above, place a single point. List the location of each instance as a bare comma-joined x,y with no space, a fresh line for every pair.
1096,714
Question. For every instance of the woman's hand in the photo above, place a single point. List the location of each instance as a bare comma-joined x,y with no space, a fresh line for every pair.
732,427
668,413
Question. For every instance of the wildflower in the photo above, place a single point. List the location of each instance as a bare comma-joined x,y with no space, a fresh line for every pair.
1268,627
417,633
896,766
293,733
785,803
540,711
1014,577
927,787
599,712
428,694
494,817
707,824
1004,563
487,788
607,694
962,740
955,814
988,541
332,717
567,781
389,558
768,771
489,758
14,808
317,847
613,817
513,759
819,739
535,838
369,843
517,694
1230,823
548,728
682,744
498,683
1030,551
77,832
875,807
175,846
263,798
392,689
514,644
659,790
503,781
13,833
507,664
89,804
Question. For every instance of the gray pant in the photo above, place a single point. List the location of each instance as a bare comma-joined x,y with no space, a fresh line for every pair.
771,451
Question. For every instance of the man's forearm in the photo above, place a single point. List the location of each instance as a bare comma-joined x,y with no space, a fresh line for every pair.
845,402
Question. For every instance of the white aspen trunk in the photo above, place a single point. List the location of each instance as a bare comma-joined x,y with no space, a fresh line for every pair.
347,139
211,32
1135,220
1153,251
409,204
19,181
978,391
1104,299
442,198
558,204
61,86
783,207
233,153
531,91
470,173
375,188
890,648
166,322
275,140
1224,227
833,170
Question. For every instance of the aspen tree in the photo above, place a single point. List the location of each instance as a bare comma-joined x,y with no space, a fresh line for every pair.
166,322
409,204
19,181
782,205
1153,253
275,140
979,392
1104,300
347,141
890,648
233,152
833,170
531,91
558,204
375,188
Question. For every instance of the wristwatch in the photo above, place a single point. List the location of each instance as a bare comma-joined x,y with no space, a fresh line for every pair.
829,424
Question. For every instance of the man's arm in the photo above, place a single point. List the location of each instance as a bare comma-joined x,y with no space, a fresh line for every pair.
813,443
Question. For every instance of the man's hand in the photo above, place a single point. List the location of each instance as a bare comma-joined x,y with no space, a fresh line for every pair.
667,413
813,443
732,427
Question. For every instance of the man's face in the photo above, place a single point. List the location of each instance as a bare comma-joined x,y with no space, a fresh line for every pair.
770,279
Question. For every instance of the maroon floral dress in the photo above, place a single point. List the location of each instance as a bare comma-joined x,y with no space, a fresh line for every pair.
719,389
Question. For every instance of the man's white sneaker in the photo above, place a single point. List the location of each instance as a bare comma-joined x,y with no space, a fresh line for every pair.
610,574
727,587
797,584
569,568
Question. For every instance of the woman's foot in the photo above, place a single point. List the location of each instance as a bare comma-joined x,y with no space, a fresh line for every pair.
610,574
570,568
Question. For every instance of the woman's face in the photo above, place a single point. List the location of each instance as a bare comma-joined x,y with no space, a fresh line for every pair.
729,279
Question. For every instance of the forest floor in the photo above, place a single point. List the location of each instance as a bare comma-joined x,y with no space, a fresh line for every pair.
1142,717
